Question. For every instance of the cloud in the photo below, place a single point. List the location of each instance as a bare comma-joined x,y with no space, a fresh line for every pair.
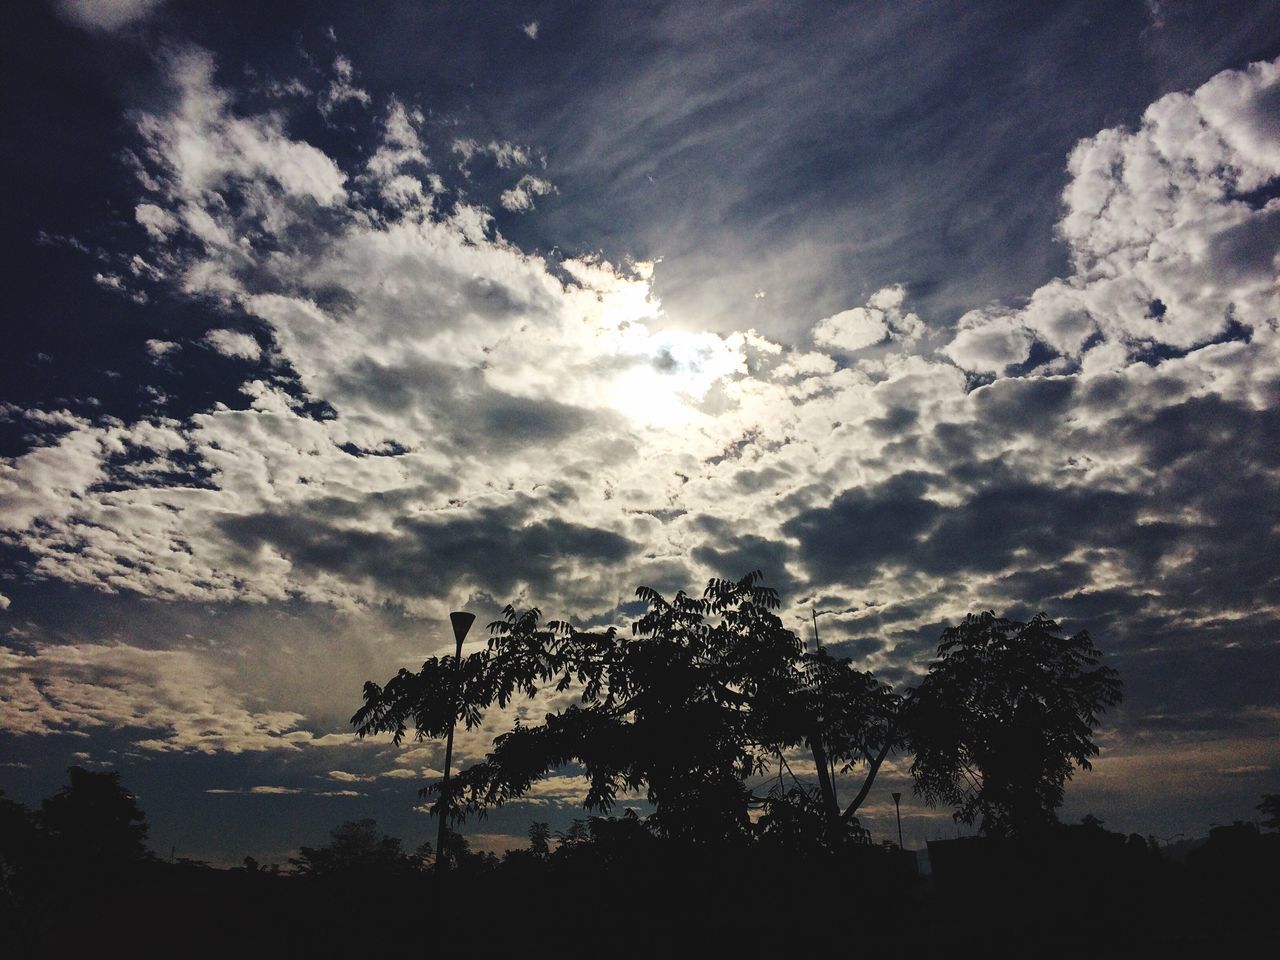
202,146
233,343
106,15
530,29
170,700
159,223
159,349
519,199
880,320
341,89
851,330
505,155
266,791
449,416
988,344
1168,247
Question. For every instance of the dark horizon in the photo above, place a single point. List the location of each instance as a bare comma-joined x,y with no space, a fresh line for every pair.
75,873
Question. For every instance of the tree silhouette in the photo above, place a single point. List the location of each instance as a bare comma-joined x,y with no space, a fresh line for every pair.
356,850
705,694
540,840
1003,716
19,842
1270,810
94,820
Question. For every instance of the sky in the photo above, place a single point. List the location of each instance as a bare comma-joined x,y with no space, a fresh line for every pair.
324,320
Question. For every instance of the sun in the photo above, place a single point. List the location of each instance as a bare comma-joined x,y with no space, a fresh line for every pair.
668,373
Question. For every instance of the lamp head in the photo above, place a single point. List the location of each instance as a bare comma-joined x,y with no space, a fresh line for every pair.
461,621
896,797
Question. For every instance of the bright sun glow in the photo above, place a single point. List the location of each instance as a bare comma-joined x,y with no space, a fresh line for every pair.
669,374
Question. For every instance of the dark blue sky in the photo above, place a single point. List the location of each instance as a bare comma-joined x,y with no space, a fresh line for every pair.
324,319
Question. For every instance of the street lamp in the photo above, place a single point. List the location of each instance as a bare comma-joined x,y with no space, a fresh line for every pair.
897,798
461,624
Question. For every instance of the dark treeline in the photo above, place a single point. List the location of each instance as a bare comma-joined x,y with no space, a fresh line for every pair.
76,876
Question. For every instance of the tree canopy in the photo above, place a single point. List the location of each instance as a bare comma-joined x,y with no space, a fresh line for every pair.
356,849
708,697
1270,810
705,695
95,819
1003,717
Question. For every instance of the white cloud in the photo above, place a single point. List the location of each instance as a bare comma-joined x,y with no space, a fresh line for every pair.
1166,250
1157,214
159,349
268,791
401,774
44,481
116,284
108,15
988,344
399,164
880,320
851,330
233,343
341,89
202,146
505,155
171,700
519,199
157,221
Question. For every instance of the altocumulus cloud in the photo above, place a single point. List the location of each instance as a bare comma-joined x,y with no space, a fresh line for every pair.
432,412
173,699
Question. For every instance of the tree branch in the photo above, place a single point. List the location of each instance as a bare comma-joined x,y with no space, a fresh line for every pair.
871,776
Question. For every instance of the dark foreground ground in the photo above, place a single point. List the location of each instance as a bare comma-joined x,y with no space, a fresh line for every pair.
1088,895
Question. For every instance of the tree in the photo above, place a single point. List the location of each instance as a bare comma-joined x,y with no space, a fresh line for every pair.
540,840
356,850
95,820
706,694
1002,718
19,843
1270,809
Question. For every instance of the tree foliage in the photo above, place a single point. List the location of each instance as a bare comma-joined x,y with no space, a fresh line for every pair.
356,850
1270,810
704,695
95,819
1003,717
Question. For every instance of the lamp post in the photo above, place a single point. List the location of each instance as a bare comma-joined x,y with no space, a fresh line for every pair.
897,798
461,624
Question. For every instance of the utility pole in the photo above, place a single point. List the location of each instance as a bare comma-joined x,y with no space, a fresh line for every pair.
461,624
897,798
